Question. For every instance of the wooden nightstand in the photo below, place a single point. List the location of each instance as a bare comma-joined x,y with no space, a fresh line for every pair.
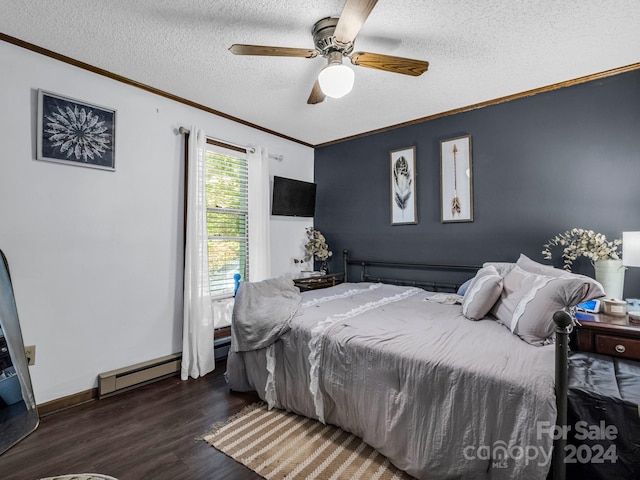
313,283
608,335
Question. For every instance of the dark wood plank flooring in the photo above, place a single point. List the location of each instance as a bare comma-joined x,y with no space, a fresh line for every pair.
151,432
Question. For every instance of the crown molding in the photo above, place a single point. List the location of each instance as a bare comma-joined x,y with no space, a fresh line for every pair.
496,101
170,96
133,83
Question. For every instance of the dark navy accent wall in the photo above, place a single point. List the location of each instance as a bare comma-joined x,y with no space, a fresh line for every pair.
541,165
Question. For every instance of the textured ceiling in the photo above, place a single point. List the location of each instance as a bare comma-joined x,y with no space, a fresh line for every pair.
478,51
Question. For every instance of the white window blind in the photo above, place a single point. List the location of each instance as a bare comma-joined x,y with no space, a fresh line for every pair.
227,211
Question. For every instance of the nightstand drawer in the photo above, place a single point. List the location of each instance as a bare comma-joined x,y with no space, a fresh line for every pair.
618,346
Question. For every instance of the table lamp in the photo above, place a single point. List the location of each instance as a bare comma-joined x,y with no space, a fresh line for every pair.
631,258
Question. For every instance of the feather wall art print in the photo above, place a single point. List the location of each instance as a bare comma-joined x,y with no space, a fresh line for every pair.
403,194
456,180
402,183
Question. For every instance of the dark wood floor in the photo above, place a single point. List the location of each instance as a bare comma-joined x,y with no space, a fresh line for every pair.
151,432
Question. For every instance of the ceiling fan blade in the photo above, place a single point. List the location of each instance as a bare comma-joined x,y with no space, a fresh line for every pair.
406,66
353,16
316,95
239,49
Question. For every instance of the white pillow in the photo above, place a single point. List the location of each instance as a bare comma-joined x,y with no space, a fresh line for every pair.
482,294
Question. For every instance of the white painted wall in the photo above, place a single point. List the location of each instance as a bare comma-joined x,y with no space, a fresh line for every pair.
95,256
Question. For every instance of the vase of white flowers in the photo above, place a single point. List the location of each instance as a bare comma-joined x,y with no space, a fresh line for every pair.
610,274
316,248
604,256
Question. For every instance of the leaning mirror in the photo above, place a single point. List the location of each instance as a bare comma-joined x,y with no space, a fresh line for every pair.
18,413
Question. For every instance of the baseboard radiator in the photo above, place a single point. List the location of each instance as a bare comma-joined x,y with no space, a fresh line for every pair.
116,381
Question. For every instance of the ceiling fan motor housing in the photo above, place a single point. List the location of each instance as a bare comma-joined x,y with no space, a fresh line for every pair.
324,40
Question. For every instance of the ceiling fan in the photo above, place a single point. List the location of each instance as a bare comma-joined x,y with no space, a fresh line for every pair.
333,38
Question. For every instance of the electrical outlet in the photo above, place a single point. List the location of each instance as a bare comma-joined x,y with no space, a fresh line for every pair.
30,352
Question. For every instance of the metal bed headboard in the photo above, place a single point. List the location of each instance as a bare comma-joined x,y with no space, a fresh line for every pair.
366,276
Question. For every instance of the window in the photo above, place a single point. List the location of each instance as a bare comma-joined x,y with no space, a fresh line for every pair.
227,212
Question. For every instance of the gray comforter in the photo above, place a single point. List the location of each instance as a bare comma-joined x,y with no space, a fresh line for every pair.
443,397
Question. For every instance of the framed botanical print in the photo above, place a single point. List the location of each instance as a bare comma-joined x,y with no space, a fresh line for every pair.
456,180
403,186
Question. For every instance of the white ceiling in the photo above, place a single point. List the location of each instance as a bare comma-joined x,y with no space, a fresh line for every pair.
477,50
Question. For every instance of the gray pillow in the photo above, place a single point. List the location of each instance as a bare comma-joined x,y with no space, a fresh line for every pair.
532,266
592,287
529,300
483,292
503,268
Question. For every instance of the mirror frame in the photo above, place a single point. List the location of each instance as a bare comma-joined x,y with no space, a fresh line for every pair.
16,421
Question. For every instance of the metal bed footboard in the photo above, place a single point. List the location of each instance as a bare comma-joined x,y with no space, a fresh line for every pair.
564,325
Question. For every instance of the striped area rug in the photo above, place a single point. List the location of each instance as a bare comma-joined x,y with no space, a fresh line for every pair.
281,445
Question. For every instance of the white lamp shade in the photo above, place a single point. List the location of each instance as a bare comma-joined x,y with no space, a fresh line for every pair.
631,249
336,80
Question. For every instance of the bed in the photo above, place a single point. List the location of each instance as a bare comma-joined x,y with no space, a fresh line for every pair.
431,380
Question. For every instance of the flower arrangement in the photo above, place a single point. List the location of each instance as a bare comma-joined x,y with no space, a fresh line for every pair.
316,246
582,243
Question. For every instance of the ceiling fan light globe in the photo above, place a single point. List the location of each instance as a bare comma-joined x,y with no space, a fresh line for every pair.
336,80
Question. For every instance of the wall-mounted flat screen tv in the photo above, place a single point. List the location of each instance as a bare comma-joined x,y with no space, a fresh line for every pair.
293,198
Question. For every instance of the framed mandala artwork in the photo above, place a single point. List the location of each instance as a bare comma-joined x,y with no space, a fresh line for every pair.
403,186
75,132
